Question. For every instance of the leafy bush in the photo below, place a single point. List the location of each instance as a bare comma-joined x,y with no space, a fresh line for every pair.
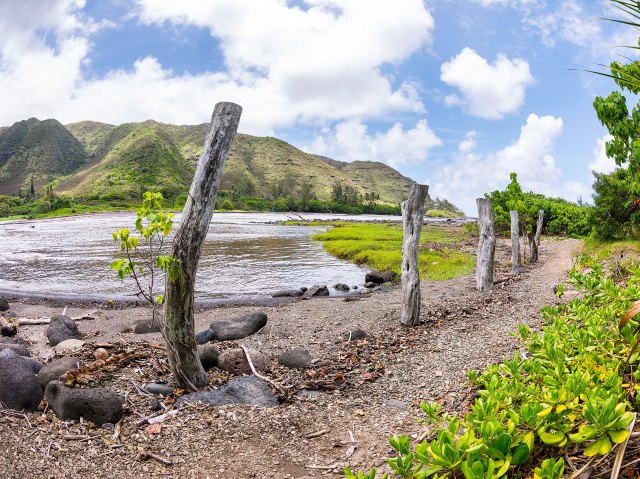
575,389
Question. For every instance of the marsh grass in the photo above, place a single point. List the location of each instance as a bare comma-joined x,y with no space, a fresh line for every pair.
380,246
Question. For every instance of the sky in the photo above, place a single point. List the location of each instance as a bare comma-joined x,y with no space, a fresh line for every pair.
455,94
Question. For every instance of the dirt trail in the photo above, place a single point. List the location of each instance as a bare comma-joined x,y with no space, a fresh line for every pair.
381,382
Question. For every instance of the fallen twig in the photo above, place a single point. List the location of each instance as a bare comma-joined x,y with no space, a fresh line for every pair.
47,320
325,468
152,455
317,433
577,474
253,370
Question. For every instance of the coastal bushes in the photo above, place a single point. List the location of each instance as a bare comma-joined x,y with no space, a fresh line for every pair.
574,391
380,247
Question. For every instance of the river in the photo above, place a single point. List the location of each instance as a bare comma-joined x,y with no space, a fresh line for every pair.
244,255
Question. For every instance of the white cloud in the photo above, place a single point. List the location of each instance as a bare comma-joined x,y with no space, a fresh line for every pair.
601,162
488,90
351,141
320,62
470,174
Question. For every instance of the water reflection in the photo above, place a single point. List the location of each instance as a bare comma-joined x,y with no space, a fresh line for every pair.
244,255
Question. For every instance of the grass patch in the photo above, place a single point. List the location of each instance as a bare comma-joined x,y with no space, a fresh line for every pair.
380,246
612,255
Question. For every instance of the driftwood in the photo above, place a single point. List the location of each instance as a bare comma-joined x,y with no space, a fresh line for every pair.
187,246
515,242
486,245
47,320
412,219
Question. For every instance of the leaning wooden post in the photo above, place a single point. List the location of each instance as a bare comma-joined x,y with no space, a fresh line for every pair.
539,226
412,218
187,245
486,245
515,243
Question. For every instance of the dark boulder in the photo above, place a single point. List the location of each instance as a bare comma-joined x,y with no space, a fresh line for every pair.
36,366
355,335
146,326
316,290
159,388
235,361
19,349
204,336
98,405
4,305
287,293
341,287
56,368
62,328
243,390
295,359
380,277
19,388
238,328
208,356
370,285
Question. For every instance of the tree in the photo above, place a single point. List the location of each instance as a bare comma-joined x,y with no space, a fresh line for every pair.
615,193
306,194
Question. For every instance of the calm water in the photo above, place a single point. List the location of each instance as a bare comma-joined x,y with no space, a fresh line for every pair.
243,255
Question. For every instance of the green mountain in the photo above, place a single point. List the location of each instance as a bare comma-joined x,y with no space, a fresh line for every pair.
102,161
42,150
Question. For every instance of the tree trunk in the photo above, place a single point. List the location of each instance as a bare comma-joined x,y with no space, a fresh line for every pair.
539,226
515,243
187,246
486,245
412,219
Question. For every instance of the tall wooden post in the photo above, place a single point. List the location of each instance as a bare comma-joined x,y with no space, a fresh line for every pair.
486,245
187,246
539,225
412,219
515,243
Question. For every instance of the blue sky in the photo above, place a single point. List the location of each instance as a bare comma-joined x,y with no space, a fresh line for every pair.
453,93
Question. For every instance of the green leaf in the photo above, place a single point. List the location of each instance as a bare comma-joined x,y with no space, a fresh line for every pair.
619,436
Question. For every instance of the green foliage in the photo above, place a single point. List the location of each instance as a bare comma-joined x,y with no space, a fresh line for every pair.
142,258
613,217
576,388
380,247
561,217
443,208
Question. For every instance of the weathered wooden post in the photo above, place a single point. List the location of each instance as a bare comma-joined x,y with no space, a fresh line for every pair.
515,243
187,246
539,225
412,218
486,245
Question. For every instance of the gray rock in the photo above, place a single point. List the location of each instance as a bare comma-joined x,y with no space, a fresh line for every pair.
146,326
370,285
68,346
56,368
155,405
19,388
204,336
295,359
243,390
316,290
4,305
10,314
395,404
13,340
355,335
36,365
159,388
341,287
310,393
98,405
208,356
235,361
238,328
380,277
274,331
19,349
62,328
287,293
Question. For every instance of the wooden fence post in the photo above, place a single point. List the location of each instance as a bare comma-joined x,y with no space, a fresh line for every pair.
187,246
412,219
515,243
486,245
539,226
